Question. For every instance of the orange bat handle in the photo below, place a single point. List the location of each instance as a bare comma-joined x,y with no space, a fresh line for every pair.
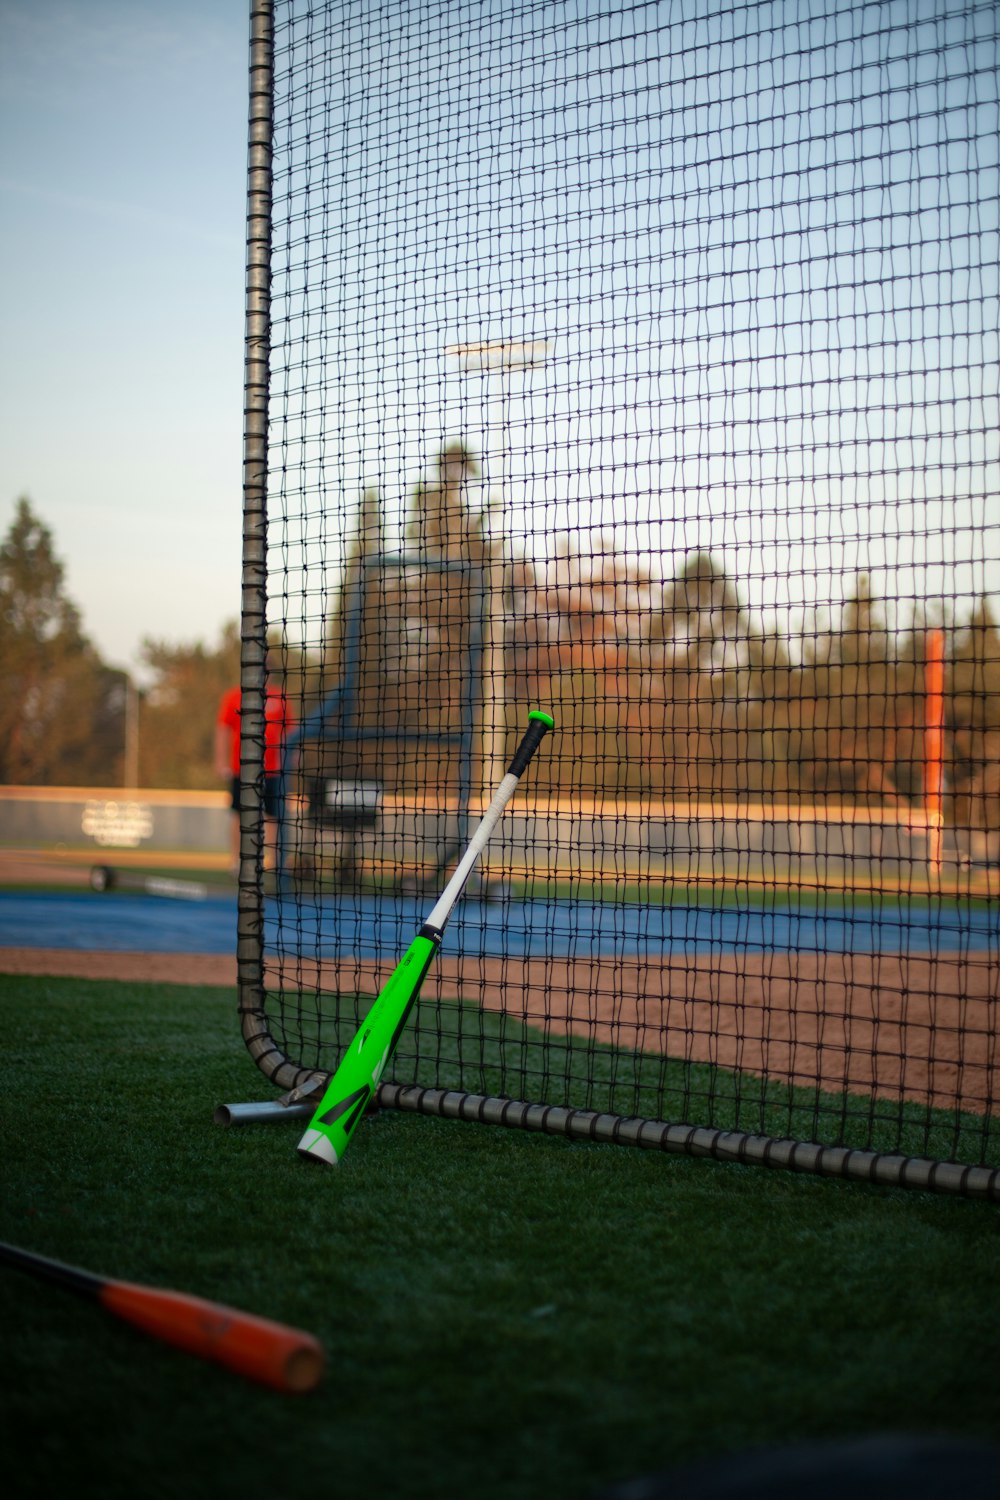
284,1358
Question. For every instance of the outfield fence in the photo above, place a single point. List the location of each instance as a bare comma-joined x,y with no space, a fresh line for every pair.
609,843
110,818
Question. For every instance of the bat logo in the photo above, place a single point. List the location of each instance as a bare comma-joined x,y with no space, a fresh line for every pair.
347,1112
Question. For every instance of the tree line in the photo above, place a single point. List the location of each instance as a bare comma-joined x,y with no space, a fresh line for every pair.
64,713
663,684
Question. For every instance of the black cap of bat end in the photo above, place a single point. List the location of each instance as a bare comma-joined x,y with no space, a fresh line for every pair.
539,725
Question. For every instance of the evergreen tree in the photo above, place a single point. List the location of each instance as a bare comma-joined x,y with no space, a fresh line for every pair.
709,669
399,647
973,699
852,706
179,709
62,711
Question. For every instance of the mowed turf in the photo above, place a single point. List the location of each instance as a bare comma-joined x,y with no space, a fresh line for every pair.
505,1315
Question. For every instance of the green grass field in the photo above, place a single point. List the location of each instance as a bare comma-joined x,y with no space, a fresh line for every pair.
506,1315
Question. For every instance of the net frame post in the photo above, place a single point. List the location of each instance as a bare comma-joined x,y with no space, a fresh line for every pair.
887,1169
737,1147
253,628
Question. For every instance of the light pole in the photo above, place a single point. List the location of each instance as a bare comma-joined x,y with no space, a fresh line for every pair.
934,748
131,734
496,359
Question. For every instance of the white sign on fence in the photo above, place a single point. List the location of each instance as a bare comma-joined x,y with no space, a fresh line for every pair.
119,825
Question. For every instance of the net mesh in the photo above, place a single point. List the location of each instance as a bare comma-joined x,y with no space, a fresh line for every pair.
639,362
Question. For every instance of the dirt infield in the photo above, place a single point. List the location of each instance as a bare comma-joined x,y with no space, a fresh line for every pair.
900,1026
152,968
904,1027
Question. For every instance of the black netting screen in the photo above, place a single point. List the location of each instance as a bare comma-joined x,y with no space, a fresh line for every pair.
639,362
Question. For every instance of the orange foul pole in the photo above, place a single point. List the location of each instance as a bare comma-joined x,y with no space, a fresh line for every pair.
934,746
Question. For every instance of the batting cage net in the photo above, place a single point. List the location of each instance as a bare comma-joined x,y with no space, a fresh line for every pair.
637,363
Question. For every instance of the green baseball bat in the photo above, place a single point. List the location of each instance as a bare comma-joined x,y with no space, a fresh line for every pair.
363,1064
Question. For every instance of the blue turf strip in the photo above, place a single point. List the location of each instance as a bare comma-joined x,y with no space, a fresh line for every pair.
379,927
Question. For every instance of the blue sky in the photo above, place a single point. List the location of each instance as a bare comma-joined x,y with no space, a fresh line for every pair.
763,247
122,205
761,240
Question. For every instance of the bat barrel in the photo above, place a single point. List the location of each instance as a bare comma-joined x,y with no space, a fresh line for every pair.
354,1084
287,1359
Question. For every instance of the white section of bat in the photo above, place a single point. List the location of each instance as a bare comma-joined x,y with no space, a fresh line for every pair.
446,901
